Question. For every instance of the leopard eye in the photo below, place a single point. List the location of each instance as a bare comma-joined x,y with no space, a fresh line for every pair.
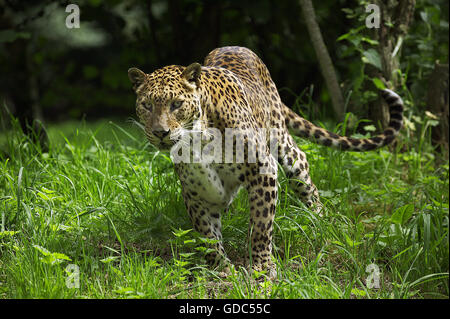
175,105
148,106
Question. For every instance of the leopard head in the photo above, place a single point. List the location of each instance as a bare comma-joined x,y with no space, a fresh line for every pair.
168,102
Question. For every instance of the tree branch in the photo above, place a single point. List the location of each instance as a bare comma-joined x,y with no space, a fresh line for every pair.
326,66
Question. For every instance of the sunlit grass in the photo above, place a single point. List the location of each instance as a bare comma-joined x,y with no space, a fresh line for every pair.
104,200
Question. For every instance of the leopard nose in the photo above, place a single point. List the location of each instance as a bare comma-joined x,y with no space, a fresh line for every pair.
161,133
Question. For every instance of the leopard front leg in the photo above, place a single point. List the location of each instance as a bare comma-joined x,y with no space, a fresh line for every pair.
263,193
203,196
206,221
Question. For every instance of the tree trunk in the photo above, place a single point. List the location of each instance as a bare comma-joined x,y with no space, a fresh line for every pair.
326,66
154,45
21,87
437,101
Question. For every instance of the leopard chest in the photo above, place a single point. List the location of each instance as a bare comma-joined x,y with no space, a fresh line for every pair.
215,184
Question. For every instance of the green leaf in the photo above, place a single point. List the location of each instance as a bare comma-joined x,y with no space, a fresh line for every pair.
372,57
49,257
42,250
124,291
152,263
43,196
208,240
402,214
351,242
378,83
370,41
109,259
60,256
46,190
343,37
370,128
180,232
336,242
433,123
358,292
7,233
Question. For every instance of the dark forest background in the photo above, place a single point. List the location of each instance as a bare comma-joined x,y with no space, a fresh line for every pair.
54,73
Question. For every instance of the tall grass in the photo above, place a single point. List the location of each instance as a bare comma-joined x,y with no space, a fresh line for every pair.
104,200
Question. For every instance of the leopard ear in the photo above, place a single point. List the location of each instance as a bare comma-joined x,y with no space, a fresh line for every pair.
136,77
192,75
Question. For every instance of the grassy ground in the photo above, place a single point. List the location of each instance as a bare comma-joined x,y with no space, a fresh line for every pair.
100,216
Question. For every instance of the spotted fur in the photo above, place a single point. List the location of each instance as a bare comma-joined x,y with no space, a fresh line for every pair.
233,89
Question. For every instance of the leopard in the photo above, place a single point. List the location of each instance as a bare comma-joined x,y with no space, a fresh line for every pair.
233,89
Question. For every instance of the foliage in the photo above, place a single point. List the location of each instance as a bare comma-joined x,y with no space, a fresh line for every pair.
83,71
426,43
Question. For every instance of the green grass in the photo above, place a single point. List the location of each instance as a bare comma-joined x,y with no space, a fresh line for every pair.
104,200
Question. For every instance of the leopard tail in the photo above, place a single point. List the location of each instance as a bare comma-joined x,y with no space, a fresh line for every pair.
306,129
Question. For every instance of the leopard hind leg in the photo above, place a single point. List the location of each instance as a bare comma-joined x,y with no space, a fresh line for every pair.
294,163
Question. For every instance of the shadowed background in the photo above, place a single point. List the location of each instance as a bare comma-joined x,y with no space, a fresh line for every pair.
54,73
